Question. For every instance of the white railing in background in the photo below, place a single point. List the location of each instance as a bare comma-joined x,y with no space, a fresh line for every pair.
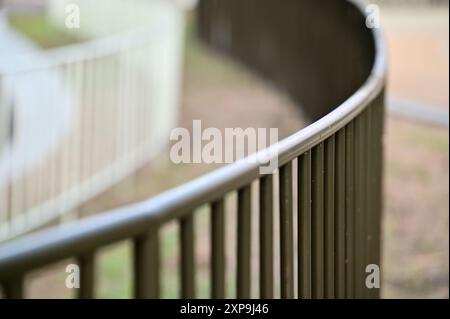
87,115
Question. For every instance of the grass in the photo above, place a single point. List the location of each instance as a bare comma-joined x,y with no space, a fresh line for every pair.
432,139
114,273
115,267
41,31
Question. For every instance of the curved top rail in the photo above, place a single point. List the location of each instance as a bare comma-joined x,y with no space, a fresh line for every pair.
48,246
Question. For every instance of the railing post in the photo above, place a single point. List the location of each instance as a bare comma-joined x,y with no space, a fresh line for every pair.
187,256
244,243
218,249
14,288
340,215
329,217
317,221
349,212
266,236
87,276
304,226
286,232
146,265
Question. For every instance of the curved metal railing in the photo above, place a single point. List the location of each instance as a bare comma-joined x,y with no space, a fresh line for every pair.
338,161
87,115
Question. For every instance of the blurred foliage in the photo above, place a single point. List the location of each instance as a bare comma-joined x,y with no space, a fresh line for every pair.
41,31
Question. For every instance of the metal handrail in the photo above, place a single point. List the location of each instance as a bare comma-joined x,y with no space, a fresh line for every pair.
45,247
135,220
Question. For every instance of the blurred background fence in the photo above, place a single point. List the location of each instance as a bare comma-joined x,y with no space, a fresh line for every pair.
77,119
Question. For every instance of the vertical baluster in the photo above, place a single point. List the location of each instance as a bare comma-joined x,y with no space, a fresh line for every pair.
87,276
266,236
187,257
244,243
83,126
377,173
116,108
359,205
64,168
119,108
98,103
349,209
329,217
304,226
369,199
146,265
77,165
124,113
317,219
7,208
90,124
218,259
340,215
14,289
112,112
286,232
364,199
131,109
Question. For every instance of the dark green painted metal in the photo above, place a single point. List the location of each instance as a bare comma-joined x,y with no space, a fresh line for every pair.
359,206
286,233
378,140
364,199
244,243
370,207
14,288
266,258
377,174
187,251
349,212
218,249
304,226
317,220
86,263
147,265
329,217
340,216
345,69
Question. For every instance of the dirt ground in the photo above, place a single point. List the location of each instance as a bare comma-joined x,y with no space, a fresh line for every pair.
418,52
416,228
415,241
